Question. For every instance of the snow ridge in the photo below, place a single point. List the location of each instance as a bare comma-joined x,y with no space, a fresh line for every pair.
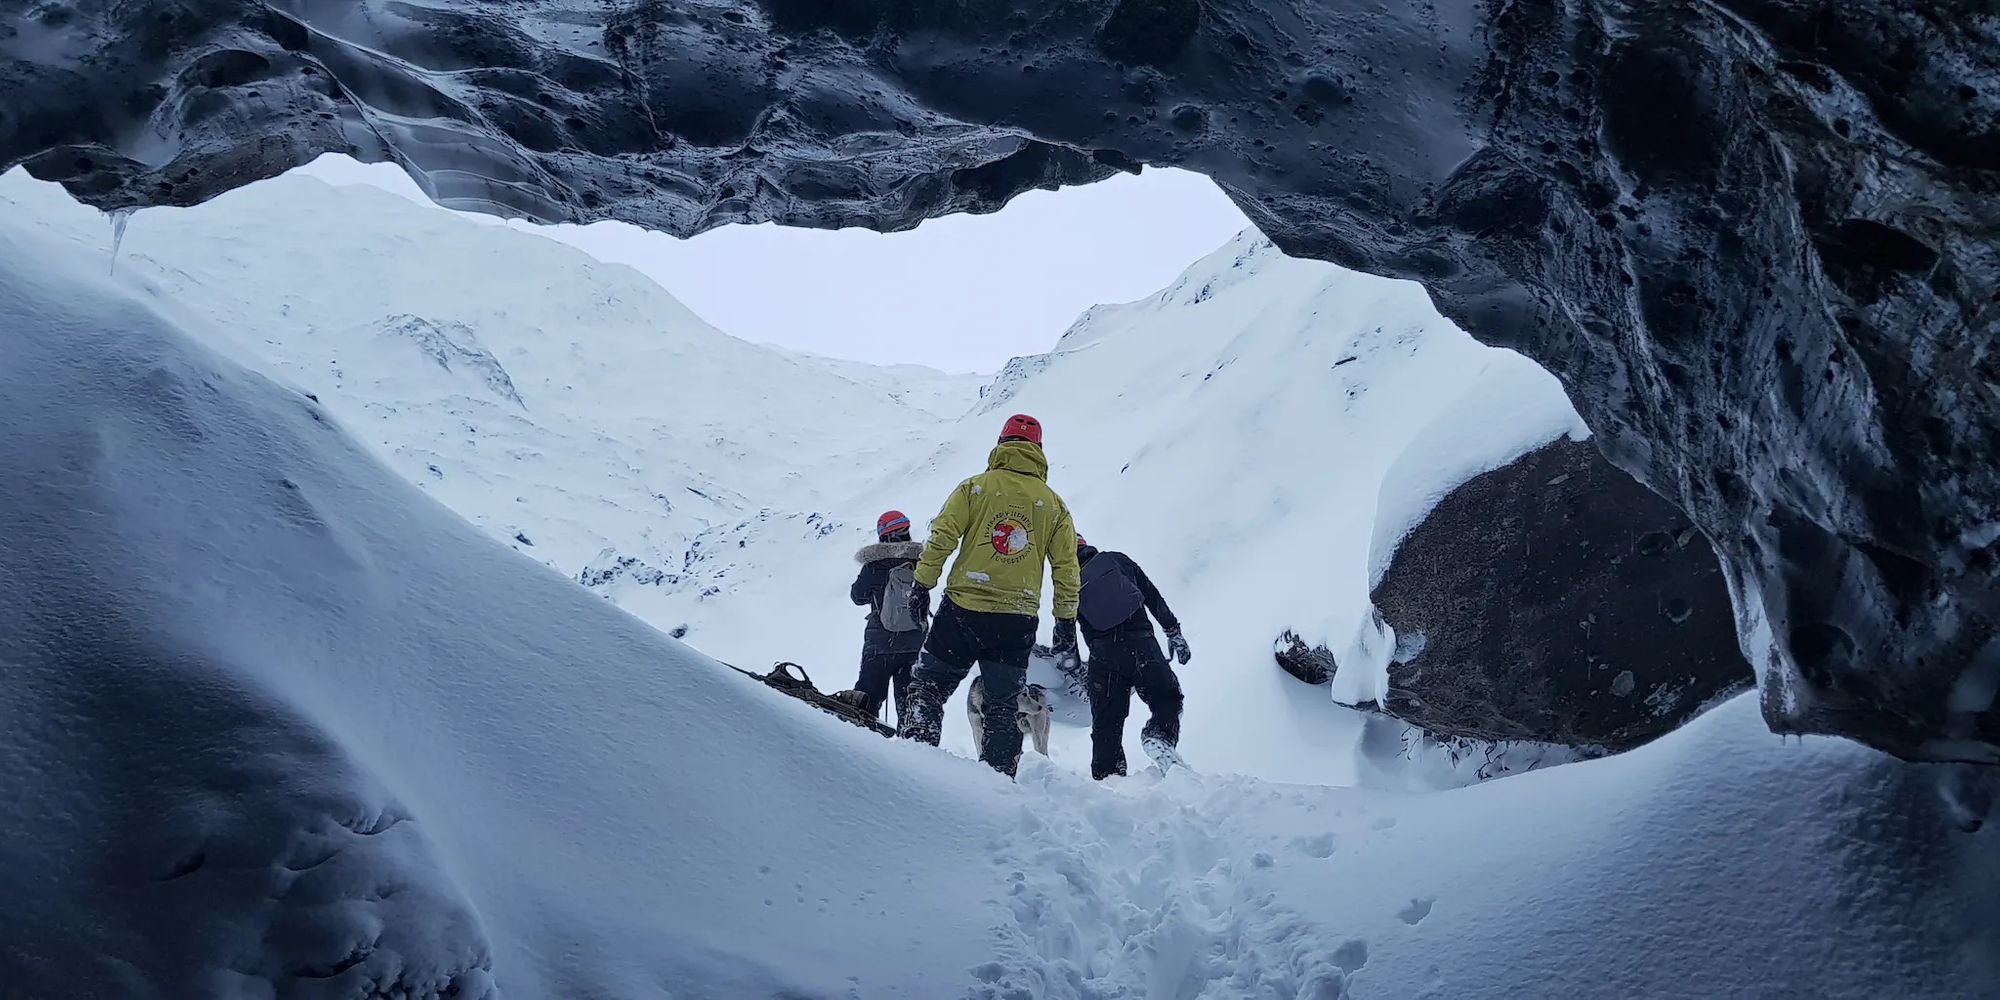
536,391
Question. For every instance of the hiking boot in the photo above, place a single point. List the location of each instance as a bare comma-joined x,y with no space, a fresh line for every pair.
1163,753
926,721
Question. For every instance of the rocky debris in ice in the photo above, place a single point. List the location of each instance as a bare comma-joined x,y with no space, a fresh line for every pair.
449,342
610,567
1311,664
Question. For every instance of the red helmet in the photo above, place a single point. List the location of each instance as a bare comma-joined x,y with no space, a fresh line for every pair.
1022,427
1080,543
891,521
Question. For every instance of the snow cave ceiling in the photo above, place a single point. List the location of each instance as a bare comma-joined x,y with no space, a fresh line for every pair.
1756,239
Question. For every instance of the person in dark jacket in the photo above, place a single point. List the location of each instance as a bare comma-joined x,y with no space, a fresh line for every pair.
887,651
1125,657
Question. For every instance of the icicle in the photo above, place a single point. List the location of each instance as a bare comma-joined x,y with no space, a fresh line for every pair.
119,218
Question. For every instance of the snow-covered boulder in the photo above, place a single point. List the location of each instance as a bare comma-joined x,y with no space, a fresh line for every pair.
1552,600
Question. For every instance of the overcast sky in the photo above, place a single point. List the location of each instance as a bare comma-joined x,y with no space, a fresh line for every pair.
961,293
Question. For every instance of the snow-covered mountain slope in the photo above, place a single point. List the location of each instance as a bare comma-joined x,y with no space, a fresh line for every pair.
275,723
1254,435
566,405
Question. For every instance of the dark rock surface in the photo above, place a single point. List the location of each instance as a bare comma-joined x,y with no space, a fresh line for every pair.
1312,664
1755,238
1556,600
610,567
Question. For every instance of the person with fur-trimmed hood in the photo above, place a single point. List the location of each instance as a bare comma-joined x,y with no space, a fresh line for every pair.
893,637
1125,658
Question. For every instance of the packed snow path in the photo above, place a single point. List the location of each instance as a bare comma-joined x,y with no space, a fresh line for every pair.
277,724
1718,862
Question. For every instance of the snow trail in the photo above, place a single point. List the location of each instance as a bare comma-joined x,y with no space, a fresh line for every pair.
1130,885
1719,861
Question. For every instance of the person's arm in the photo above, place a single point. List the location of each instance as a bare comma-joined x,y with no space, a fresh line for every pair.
1062,565
867,583
946,532
1154,602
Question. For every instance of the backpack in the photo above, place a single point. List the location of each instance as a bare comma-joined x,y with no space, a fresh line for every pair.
1109,595
895,608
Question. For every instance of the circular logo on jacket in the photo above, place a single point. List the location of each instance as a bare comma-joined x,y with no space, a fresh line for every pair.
1010,537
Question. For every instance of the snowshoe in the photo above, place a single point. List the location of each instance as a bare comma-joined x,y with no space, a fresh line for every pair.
793,680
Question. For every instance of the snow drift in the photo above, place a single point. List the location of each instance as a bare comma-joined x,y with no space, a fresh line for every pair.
277,724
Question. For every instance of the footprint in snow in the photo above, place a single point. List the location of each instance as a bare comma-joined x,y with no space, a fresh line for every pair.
1418,909
1384,823
1318,846
1351,956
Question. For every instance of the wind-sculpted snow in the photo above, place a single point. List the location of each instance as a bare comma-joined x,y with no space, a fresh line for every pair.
1754,238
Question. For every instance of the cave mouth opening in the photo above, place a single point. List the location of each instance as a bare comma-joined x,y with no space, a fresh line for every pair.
1652,202
1229,356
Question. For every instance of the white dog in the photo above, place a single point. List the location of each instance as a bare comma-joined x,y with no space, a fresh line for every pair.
1032,716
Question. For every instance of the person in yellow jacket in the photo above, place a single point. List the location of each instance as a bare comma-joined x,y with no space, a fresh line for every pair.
1004,523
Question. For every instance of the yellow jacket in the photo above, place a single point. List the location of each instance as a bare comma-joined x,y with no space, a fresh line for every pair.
1004,523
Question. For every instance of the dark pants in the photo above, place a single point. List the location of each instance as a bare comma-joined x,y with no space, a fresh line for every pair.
1000,645
1120,665
880,666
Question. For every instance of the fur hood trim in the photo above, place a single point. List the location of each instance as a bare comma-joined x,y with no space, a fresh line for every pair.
889,550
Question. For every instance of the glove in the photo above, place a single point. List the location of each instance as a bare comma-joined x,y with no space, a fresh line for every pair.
1177,647
1064,646
920,604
